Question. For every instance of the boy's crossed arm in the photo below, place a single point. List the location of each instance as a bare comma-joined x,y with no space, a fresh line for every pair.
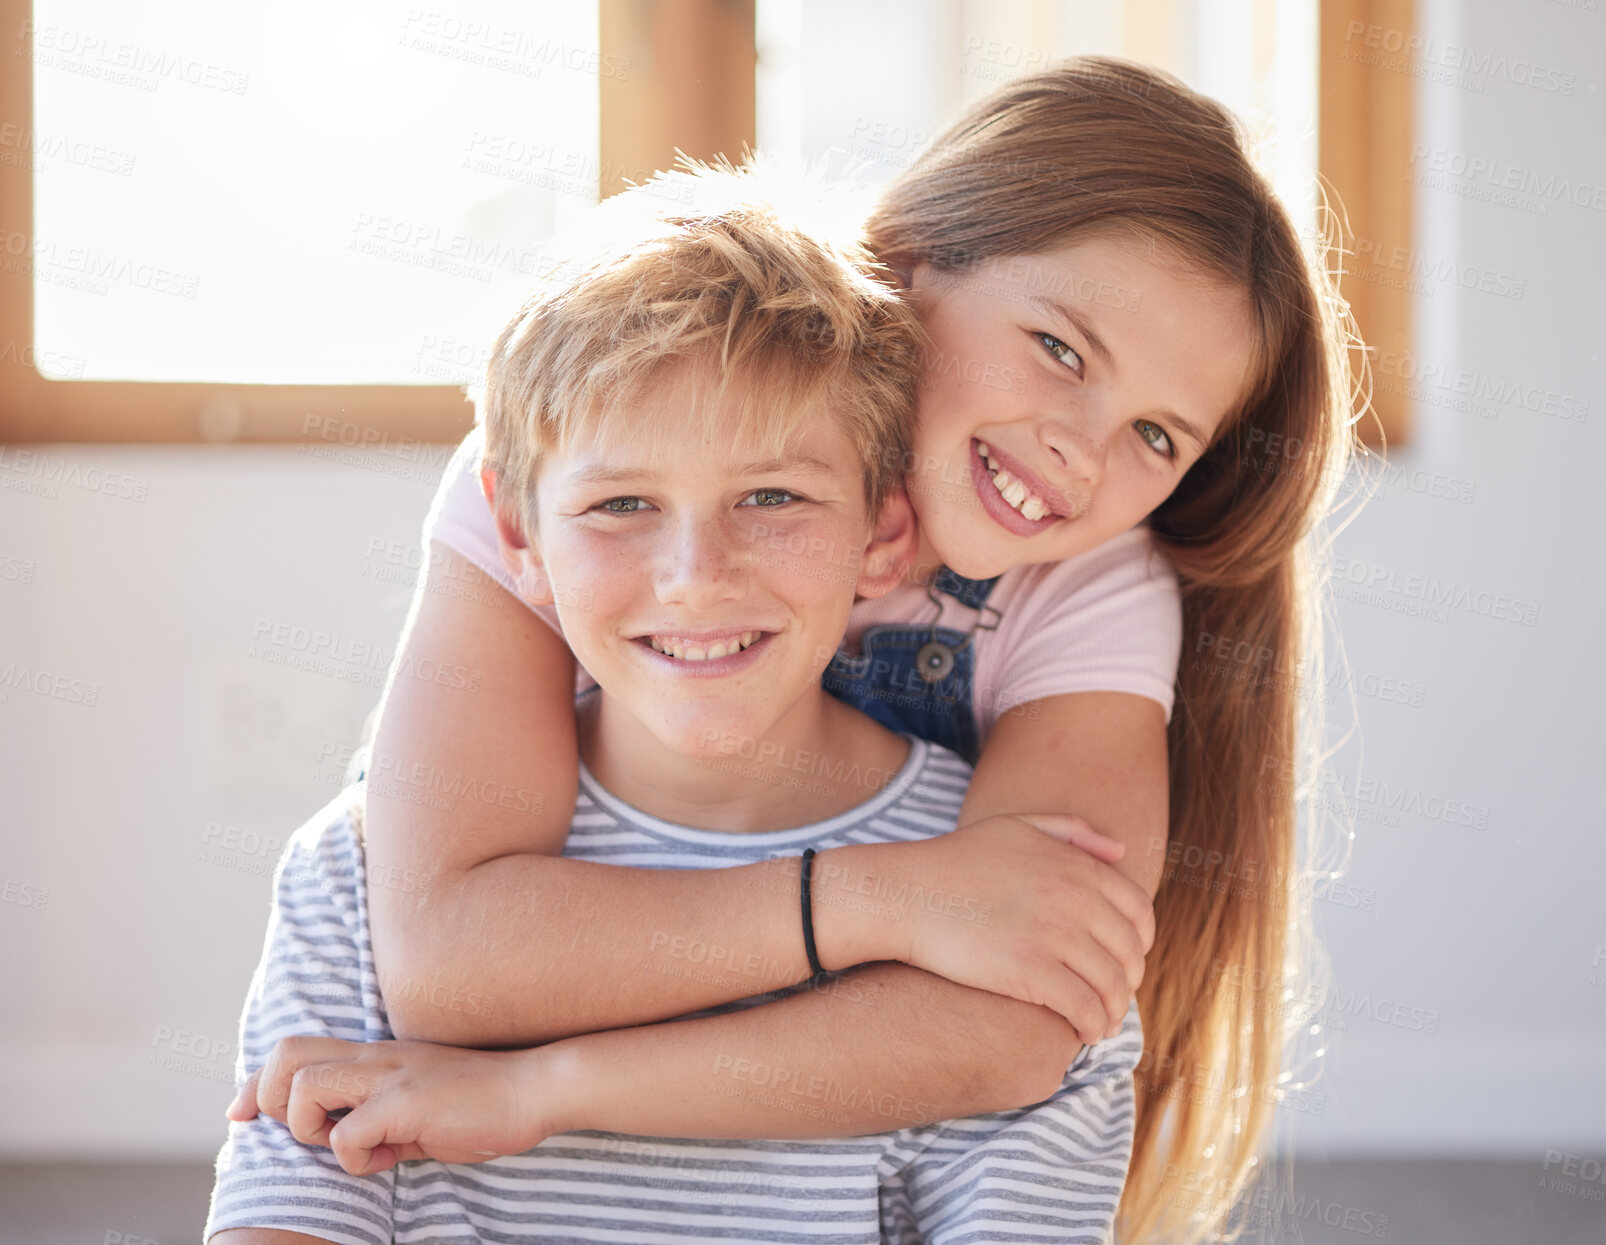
918,1054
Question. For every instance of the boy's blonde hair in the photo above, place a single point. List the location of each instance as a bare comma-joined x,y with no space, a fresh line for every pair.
701,267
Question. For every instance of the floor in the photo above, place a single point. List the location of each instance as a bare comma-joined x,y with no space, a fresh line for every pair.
1342,1203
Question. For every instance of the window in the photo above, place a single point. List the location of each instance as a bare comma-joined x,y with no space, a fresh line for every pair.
226,224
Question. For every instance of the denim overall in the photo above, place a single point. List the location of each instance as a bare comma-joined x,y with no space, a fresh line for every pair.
919,678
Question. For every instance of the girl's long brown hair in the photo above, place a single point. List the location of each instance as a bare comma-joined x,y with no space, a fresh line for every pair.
1094,144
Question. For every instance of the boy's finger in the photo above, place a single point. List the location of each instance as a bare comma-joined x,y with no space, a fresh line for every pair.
360,1141
244,1106
288,1057
319,1089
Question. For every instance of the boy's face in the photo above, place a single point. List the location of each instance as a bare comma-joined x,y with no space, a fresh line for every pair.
703,583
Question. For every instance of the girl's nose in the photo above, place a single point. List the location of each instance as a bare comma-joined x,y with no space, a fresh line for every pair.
1077,447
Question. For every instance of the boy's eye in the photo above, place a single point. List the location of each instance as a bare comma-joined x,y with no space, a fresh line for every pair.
1061,351
1156,438
771,497
621,505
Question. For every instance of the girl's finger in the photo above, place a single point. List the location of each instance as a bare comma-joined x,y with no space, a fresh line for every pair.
1079,1004
1132,902
1076,831
1100,987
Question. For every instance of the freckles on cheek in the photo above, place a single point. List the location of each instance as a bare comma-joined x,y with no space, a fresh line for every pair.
596,563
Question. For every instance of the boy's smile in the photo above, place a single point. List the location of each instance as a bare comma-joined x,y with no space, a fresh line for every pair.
1065,395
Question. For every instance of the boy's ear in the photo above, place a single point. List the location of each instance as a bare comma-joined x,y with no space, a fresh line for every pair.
521,559
893,546
903,268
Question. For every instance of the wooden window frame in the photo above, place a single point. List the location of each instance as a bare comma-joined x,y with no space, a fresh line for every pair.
690,87
1366,127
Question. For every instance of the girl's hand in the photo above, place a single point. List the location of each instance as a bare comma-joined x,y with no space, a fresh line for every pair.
1025,905
408,1100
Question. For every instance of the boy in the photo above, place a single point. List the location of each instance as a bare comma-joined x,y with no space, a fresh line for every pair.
691,441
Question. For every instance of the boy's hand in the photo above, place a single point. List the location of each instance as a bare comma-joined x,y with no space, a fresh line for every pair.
407,1100
1026,906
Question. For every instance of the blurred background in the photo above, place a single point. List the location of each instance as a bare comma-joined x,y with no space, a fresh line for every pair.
248,255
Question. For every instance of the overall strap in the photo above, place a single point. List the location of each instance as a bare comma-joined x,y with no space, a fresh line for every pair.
969,592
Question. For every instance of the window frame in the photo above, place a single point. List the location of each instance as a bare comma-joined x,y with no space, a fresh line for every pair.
1366,125
693,89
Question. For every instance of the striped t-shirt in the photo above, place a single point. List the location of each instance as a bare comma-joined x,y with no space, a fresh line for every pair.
1049,1172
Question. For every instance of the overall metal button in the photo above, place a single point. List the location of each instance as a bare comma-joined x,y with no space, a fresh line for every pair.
934,661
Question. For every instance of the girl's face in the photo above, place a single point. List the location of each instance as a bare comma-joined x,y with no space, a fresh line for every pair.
1065,394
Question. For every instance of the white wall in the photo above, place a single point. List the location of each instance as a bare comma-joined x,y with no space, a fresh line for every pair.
168,608
1499,933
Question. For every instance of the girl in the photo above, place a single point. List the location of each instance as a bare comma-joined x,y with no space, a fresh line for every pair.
1071,423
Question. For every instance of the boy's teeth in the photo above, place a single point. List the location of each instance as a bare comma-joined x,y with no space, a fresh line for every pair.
1012,490
690,650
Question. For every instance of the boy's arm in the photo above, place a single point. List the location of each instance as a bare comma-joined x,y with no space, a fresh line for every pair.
922,1051
311,980
484,936
1061,1163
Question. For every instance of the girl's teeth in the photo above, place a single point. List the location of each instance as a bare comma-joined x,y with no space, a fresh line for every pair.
1030,505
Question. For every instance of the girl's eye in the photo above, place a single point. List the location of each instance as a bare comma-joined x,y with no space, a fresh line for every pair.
1156,438
769,498
1061,351
621,505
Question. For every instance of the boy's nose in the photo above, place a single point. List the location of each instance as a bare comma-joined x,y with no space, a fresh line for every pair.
702,566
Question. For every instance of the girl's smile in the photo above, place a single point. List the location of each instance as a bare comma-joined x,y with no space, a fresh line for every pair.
1015,495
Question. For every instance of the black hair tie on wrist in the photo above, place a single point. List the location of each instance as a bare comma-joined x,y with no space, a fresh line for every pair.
808,917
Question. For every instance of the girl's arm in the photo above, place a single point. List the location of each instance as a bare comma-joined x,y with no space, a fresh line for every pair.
921,1053
483,935
921,1046
1101,756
